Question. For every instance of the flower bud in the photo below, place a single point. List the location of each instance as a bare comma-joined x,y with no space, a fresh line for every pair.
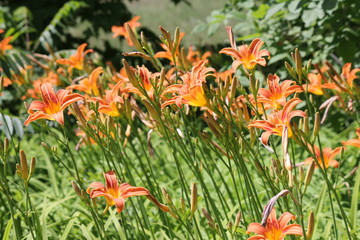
316,124
6,145
301,174
290,69
237,220
182,204
194,198
32,166
77,190
133,38
45,145
311,224
298,63
309,173
208,217
24,166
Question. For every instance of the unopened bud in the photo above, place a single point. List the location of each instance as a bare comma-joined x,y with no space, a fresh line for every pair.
24,166
194,197
237,220
6,145
298,63
233,90
166,196
311,223
308,66
133,38
316,124
208,217
1,83
182,204
77,190
54,149
18,170
290,69
32,166
306,128
128,131
176,37
229,226
45,145
309,173
301,174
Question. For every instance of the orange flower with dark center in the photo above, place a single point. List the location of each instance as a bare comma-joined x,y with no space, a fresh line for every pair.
121,30
77,59
52,105
116,195
89,85
248,56
277,93
353,142
275,229
191,92
326,158
275,123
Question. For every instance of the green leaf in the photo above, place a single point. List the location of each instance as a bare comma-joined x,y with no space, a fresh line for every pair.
247,37
329,5
278,57
261,11
6,125
355,201
66,11
68,228
309,17
274,10
18,126
7,231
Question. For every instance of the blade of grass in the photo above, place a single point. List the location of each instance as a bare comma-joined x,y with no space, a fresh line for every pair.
355,201
8,230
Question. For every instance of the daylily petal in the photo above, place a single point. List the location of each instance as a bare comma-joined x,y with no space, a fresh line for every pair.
120,204
285,218
293,229
256,228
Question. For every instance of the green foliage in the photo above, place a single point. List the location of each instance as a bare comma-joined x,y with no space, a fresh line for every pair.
319,28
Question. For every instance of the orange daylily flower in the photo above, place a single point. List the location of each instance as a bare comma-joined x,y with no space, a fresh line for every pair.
89,85
51,78
109,105
315,85
275,123
248,56
191,92
328,155
275,229
353,142
194,56
348,74
5,44
277,93
53,105
145,81
121,30
116,195
77,59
